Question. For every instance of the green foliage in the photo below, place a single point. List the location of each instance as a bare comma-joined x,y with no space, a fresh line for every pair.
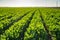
27,24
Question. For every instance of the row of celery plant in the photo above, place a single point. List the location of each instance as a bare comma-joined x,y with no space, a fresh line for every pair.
36,30
16,29
6,22
5,13
52,19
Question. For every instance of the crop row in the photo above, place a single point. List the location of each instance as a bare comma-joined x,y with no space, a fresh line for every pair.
52,20
36,30
5,24
14,31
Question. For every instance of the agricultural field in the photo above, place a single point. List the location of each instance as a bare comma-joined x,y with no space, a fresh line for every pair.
29,23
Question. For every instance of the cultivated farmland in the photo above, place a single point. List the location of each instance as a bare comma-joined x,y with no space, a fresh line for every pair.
29,23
